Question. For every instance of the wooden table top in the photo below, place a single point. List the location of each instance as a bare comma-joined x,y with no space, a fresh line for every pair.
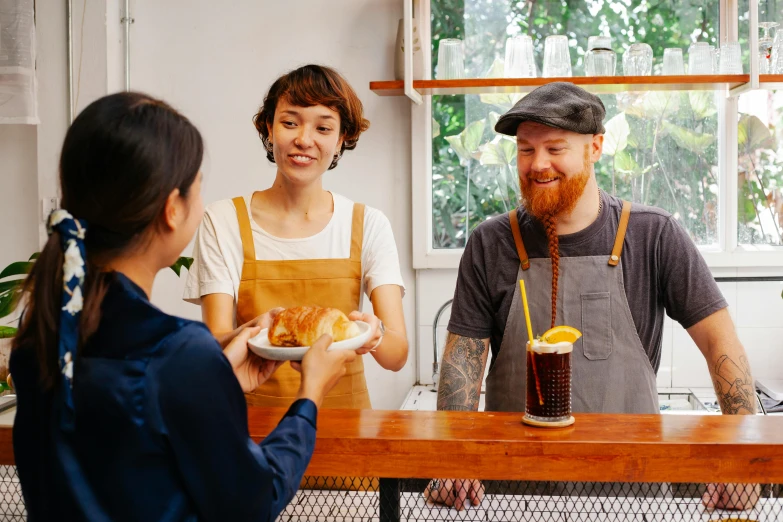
627,448
599,447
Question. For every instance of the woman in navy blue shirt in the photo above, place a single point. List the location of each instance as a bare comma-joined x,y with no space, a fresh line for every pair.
125,412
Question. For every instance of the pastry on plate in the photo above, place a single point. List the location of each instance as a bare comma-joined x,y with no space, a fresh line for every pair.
303,325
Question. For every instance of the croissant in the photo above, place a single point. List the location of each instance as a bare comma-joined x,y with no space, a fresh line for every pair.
303,325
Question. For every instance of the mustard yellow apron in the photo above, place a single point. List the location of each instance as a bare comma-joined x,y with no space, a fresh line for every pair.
335,283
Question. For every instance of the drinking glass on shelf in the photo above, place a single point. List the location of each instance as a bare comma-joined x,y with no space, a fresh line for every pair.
730,58
765,46
637,60
763,63
672,62
557,58
700,58
776,63
600,59
519,62
451,64
715,53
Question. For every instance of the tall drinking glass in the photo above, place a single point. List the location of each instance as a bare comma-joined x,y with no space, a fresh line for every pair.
600,59
776,64
548,387
519,62
637,60
451,64
730,58
673,64
557,58
700,60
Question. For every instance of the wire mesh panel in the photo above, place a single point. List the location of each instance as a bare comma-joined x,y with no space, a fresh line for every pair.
11,502
354,499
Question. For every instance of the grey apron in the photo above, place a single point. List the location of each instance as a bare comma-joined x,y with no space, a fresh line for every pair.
611,372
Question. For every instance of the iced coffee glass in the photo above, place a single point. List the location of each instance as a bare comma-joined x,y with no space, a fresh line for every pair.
548,392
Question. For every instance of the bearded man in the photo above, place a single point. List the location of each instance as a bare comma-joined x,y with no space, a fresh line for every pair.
591,261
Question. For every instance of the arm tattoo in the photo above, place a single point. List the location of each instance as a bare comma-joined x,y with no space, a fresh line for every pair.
734,385
460,374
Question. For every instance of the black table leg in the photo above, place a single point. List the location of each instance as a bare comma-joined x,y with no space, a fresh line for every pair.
389,501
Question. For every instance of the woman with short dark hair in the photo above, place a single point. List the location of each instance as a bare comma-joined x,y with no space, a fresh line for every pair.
297,244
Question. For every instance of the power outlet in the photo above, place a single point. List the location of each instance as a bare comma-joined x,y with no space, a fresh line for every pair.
49,205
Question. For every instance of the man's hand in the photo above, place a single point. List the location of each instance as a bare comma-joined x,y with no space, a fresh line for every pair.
457,493
731,496
250,369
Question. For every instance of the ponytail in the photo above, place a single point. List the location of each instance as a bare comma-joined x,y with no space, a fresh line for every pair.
40,320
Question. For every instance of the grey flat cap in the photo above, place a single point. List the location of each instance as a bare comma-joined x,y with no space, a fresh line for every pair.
561,105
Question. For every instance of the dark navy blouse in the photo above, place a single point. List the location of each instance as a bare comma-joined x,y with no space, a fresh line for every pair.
160,430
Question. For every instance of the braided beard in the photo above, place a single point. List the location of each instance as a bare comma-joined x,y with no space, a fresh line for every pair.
546,203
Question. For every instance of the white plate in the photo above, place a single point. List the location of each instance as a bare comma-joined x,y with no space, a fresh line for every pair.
260,345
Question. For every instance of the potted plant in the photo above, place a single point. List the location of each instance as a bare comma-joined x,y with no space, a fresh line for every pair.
11,280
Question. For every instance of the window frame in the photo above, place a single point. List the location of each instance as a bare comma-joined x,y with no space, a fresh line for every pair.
728,253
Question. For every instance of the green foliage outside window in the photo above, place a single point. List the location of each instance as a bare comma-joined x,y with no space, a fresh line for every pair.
660,147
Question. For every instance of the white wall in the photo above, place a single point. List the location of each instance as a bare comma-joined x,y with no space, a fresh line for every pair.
215,60
21,160
18,171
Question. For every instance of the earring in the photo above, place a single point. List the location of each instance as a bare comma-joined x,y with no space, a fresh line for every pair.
267,144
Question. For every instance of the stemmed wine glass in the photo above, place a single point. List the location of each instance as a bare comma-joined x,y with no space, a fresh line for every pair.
765,46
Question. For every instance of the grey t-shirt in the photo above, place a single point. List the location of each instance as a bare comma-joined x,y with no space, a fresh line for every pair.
662,270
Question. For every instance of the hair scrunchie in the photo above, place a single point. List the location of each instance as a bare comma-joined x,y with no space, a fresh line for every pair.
72,232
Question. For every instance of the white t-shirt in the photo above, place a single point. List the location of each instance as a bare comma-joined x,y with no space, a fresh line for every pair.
218,256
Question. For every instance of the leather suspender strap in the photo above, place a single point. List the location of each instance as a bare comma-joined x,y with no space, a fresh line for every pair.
523,259
617,250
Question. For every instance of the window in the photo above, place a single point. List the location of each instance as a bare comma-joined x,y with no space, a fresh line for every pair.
662,148
760,169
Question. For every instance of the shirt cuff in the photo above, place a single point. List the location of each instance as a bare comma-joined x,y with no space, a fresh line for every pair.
304,408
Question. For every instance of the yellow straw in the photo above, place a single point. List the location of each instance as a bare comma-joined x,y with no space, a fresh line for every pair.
530,337
527,311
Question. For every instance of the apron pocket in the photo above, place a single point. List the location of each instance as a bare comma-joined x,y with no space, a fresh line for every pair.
596,326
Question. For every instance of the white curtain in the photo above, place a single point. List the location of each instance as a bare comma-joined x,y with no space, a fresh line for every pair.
18,103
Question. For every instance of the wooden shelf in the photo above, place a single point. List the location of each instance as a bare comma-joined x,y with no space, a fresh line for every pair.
596,84
771,81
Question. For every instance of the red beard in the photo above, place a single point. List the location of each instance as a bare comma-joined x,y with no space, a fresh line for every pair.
544,201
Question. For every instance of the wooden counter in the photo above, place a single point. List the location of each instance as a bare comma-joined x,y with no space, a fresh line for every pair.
619,448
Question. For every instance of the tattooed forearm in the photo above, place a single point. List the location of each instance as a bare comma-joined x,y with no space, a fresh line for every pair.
461,373
734,385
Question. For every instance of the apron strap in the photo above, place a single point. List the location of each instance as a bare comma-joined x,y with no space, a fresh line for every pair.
245,232
357,232
523,259
614,259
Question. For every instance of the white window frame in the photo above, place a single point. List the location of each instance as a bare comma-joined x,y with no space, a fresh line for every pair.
727,254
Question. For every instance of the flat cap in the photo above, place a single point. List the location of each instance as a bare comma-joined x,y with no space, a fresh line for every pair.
562,105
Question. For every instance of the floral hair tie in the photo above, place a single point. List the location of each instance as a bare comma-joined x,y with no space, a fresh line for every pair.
72,233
